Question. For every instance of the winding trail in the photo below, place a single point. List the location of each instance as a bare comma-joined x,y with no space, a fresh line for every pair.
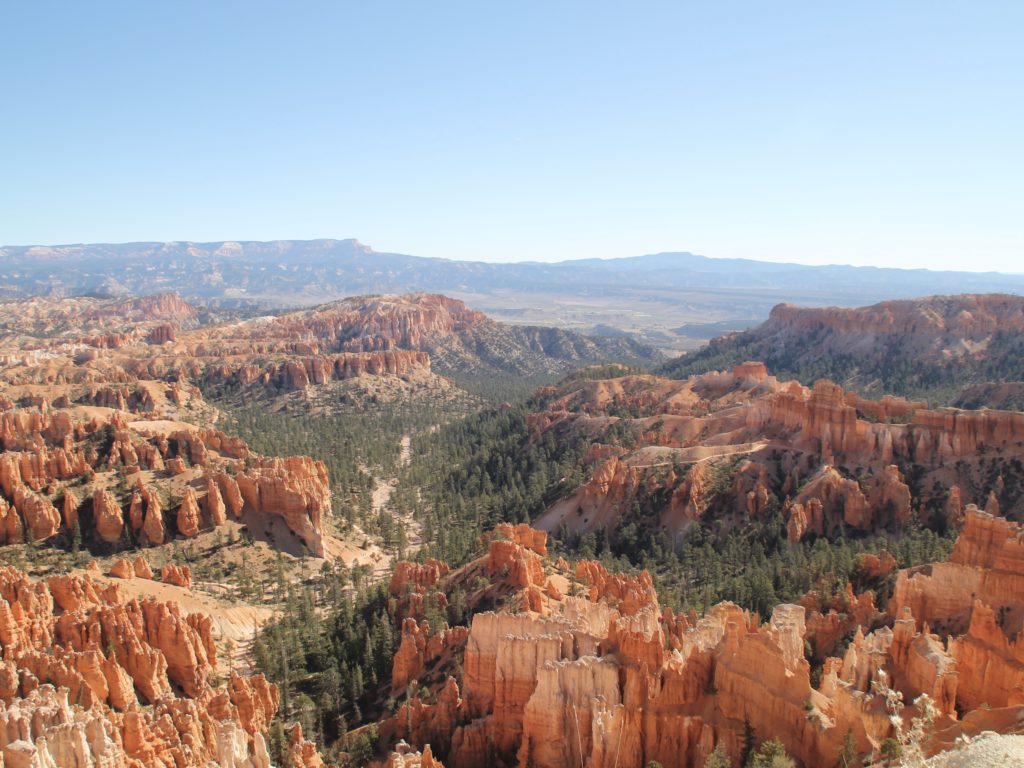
374,555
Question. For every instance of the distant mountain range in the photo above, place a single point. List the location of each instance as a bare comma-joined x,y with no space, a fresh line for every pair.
673,300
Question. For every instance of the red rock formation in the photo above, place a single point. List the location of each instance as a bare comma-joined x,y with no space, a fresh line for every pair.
416,577
214,503
610,679
141,568
122,569
302,753
188,514
516,565
153,529
419,649
524,536
295,488
230,494
180,576
107,516
876,566
404,756
830,459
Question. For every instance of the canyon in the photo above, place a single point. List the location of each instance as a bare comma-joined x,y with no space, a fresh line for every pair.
120,481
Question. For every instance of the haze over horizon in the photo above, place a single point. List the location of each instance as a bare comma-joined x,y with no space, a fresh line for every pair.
867,135
550,260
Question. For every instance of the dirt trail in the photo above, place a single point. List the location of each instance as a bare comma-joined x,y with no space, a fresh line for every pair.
373,555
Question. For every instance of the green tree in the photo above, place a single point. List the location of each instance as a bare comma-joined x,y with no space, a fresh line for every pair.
771,754
362,746
847,755
891,750
719,758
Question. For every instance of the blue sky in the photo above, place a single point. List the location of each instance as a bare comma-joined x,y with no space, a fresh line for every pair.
887,133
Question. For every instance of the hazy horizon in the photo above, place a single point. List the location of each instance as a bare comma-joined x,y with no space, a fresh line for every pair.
525,260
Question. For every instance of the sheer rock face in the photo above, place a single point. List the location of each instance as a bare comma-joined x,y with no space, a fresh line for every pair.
939,340
79,664
297,374
922,320
976,599
987,564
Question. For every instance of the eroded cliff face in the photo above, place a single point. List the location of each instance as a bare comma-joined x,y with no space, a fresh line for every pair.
90,678
744,445
956,318
591,670
129,468
934,344
588,668
975,601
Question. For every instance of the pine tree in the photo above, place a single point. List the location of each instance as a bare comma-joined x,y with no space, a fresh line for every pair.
847,755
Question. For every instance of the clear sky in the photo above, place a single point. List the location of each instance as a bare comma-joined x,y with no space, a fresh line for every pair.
821,132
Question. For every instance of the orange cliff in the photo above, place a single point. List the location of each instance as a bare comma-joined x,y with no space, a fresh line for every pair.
88,678
381,336
592,670
975,600
608,678
922,320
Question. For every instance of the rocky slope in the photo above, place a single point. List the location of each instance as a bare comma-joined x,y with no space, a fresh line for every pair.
91,343
585,667
724,448
929,347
